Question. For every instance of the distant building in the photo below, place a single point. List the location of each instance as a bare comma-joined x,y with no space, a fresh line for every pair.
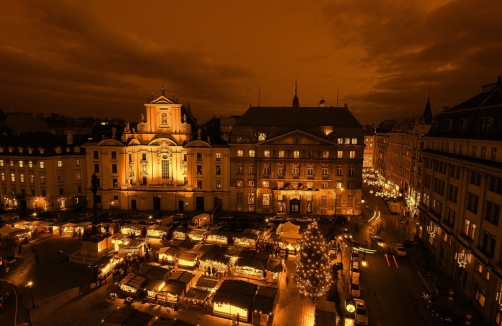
296,160
165,162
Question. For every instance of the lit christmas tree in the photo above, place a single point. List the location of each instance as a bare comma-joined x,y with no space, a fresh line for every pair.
313,272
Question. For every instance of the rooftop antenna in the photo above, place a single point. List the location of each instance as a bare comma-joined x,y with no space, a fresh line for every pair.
337,92
258,96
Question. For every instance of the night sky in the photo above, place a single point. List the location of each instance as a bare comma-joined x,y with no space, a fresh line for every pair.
105,58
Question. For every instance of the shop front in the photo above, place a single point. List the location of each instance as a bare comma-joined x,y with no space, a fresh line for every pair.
132,285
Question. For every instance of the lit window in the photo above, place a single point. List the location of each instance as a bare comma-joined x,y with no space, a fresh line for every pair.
79,176
251,153
13,177
77,162
266,153
60,164
281,154
296,154
265,184
347,141
240,153
21,177
21,164
240,183
352,154
1,163
339,154
354,141
325,154
250,183
32,178
30,164
11,163
250,198
3,176
218,184
266,199
340,141
42,179
42,164
218,156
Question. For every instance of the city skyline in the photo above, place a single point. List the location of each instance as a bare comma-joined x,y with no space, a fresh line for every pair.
105,59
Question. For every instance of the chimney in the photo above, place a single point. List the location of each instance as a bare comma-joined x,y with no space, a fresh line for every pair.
69,137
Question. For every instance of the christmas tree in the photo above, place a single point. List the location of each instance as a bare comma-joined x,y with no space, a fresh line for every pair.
313,273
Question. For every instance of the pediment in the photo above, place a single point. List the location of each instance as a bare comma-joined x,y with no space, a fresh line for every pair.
161,140
297,137
162,100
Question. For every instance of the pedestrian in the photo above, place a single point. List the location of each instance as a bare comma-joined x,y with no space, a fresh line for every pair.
19,248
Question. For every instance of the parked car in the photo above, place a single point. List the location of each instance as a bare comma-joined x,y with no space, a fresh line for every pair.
303,219
218,226
226,217
356,272
361,315
379,241
400,250
276,218
179,216
355,289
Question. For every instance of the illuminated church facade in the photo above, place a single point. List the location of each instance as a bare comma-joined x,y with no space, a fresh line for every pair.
164,163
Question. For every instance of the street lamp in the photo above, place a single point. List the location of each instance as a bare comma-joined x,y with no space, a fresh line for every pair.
30,285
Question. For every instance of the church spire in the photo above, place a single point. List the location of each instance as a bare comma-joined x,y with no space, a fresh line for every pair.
427,115
296,101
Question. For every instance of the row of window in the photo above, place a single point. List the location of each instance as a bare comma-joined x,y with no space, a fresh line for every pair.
32,177
296,154
43,191
30,164
458,149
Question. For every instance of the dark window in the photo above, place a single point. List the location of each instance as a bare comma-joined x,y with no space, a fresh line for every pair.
114,168
114,155
96,155
96,168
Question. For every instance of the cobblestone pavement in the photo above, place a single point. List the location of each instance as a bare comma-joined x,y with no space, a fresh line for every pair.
63,294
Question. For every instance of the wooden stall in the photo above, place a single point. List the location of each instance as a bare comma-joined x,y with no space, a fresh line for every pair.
153,288
263,306
234,300
132,285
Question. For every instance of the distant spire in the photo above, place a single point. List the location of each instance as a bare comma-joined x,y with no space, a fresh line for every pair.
296,101
427,115
163,91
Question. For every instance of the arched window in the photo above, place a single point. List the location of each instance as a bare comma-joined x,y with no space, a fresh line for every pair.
164,118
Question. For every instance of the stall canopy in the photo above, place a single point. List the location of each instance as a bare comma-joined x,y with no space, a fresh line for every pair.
197,294
154,272
215,257
264,300
236,293
288,226
134,281
206,283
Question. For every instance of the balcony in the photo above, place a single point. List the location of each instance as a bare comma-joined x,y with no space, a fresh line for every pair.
310,176
482,255
325,176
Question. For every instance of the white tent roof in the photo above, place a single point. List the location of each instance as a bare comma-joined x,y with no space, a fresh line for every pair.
291,235
285,227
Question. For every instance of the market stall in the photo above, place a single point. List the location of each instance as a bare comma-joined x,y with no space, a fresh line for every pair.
171,294
234,300
69,228
263,306
187,260
153,288
215,261
251,264
207,283
20,235
132,285
217,237
180,233
157,231
197,296
274,270
81,227
246,239
290,240
182,277
168,255
132,229
196,235
106,264
154,272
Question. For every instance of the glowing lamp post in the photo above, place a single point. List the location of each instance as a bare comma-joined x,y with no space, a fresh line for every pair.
30,285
